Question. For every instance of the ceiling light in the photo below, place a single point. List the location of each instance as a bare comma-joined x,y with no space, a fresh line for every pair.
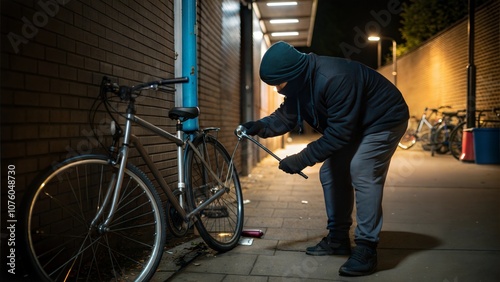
276,4
288,33
284,21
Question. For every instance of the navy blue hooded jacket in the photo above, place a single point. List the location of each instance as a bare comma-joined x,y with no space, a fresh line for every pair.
341,99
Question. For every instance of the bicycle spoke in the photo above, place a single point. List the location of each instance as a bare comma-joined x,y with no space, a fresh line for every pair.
220,222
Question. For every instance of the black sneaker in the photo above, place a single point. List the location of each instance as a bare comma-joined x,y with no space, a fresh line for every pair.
329,246
363,261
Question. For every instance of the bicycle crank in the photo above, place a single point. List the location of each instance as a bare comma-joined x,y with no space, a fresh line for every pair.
241,133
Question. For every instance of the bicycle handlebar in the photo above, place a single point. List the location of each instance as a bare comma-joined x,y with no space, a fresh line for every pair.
154,84
125,92
436,109
454,114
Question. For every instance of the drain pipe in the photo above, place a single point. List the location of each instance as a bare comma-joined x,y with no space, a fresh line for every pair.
246,82
178,50
189,60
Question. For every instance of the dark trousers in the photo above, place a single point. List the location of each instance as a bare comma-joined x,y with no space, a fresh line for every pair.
358,171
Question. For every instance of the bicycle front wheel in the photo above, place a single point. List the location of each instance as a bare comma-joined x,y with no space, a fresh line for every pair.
410,137
455,141
440,139
67,241
220,223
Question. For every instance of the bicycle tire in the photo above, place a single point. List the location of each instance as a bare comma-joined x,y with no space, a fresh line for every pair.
175,222
58,211
440,138
221,222
425,139
409,138
455,141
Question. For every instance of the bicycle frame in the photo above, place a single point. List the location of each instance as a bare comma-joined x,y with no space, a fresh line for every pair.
421,124
121,162
415,129
425,119
98,216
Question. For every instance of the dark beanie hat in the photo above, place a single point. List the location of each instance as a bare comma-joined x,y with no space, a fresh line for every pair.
281,63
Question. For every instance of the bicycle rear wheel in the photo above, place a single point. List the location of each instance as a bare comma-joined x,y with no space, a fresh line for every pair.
221,222
62,243
455,141
409,138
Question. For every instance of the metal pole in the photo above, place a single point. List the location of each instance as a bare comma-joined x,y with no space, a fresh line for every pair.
471,71
379,53
394,62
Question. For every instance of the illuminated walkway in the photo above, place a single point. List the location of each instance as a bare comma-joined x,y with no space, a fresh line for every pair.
441,223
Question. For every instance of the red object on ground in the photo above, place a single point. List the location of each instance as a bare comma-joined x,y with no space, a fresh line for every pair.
257,233
467,146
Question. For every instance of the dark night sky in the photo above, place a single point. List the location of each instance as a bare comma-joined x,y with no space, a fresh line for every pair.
341,27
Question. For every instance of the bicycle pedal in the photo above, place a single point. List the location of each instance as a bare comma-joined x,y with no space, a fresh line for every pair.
215,212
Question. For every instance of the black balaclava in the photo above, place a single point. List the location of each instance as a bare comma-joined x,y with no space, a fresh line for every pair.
282,63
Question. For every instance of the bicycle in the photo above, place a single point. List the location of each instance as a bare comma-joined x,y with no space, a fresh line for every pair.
442,131
100,218
419,130
455,140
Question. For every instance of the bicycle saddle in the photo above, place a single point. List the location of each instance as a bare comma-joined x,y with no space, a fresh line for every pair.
183,113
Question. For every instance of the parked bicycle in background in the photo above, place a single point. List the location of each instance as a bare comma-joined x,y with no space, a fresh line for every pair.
484,118
419,130
432,130
441,131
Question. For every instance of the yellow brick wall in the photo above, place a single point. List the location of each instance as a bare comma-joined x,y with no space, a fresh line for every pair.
435,74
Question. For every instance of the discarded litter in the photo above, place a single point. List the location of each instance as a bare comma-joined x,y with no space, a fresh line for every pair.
246,202
257,233
305,202
246,241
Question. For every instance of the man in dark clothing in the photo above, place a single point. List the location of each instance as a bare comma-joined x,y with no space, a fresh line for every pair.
361,116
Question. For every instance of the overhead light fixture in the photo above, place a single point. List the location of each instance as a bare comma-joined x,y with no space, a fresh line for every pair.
277,4
287,33
283,21
374,38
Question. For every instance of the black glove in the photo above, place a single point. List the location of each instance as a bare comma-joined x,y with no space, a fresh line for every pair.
253,127
292,164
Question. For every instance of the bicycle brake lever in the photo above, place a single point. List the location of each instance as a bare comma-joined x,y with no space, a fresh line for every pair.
239,131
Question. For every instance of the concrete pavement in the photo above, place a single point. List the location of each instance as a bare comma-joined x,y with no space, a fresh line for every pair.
441,223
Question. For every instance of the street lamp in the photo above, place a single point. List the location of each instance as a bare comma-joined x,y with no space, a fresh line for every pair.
379,50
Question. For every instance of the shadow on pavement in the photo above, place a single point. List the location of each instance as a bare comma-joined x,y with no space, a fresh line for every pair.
395,246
